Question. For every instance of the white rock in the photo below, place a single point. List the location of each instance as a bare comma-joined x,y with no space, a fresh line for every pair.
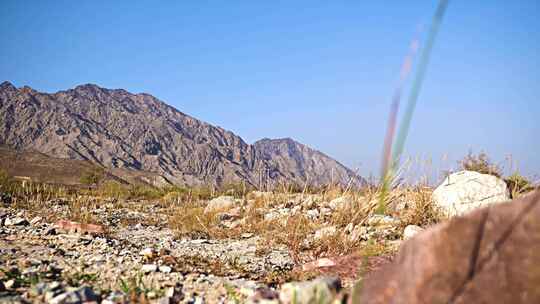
464,191
147,268
147,252
312,214
340,202
222,203
9,284
381,220
411,230
272,215
349,228
358,233
309,203
16,221
165,269
325,232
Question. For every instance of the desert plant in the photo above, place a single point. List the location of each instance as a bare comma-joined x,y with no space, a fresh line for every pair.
480,163
92,176
421,211
194,222
113,189
518,184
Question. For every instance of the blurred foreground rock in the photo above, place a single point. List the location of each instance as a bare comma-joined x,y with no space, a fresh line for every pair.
491,255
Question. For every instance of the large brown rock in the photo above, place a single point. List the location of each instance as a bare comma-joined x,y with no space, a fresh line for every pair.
491,255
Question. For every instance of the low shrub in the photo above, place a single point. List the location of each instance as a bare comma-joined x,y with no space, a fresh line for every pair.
480,163
518,184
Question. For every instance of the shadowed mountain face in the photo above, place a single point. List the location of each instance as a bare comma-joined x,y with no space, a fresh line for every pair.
117,129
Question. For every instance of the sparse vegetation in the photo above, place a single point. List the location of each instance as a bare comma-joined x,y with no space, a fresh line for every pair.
480,163
92,176
518,184
281,220
421,210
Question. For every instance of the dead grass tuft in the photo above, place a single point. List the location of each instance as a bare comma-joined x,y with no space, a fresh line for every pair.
480,163
419,208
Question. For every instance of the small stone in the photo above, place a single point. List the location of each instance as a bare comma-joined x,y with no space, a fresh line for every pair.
312,214
382,221
147,252
165,269
16,221
163,300
114,298
147,268
10,284
340,202
35,220
349,228
54,286
358,233
325,232
200,241
410,231
221,203
272,215
322,290
322,262
82,294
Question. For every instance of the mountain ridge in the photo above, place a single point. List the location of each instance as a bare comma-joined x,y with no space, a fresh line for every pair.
118,129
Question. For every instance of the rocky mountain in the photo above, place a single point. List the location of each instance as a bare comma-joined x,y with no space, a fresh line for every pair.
118,129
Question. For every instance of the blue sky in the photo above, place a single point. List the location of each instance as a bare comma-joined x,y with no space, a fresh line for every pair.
321,72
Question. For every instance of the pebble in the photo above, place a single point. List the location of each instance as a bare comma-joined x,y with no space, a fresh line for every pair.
165,269
147,268
10,284
16,221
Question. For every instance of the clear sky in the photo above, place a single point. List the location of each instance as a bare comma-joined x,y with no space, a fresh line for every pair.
321,72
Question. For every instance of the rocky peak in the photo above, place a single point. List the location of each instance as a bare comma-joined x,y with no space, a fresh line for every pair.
115,128
6,85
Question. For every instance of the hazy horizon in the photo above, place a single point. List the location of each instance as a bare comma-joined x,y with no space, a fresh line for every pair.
322,74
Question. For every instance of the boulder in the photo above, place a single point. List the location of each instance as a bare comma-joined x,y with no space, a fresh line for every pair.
221,203
491,255
464,191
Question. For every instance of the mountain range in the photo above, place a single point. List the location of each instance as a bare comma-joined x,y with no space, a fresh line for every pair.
114,128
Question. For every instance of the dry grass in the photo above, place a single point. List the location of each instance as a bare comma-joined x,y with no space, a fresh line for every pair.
419,209
480,163
518,185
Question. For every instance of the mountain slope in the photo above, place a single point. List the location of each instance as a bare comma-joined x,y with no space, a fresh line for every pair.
115,128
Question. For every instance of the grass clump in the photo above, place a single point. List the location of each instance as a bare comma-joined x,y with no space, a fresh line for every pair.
480,163
92,176
518,184
193,222
420,211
